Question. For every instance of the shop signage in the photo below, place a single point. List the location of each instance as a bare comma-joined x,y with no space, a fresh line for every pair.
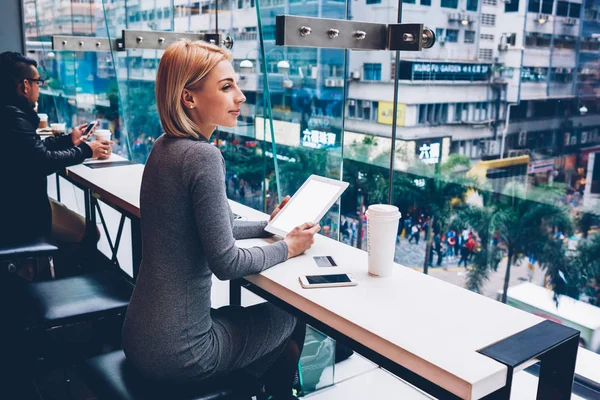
385,112
444,71
451,68
317,139
429,152
541,166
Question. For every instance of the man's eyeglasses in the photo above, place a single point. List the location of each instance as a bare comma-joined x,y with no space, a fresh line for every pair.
39,81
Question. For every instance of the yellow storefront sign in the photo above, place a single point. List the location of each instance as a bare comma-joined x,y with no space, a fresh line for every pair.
384,114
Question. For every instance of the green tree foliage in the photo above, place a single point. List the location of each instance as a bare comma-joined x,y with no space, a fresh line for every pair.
441,193
524,223
575,273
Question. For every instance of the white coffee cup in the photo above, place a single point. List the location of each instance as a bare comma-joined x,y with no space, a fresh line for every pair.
102,134
382,228
58,127
43,121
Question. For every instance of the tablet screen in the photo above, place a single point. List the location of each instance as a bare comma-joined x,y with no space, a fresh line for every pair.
307,205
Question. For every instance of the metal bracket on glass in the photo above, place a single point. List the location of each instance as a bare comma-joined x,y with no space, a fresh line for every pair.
409,37
147,40
341,34
156,40
83,43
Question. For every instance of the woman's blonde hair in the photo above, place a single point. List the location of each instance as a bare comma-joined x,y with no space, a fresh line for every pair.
184,64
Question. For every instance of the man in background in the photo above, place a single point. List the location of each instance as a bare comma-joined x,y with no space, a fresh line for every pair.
26,160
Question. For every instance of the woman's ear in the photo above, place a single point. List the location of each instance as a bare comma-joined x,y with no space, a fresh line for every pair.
187,99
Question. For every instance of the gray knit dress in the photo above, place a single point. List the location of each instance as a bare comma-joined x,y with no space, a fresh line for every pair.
188,233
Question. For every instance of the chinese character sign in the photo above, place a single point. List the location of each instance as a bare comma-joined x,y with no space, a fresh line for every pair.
430,153
317,139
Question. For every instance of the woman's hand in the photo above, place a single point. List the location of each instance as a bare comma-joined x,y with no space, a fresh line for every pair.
279,207
301,238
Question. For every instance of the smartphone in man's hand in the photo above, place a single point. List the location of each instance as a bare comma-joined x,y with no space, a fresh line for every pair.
89,128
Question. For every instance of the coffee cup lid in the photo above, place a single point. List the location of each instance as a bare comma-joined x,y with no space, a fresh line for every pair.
383,210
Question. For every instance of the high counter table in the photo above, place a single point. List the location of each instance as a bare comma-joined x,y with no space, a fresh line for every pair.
448,341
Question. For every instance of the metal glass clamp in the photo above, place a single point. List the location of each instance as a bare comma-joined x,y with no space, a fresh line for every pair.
134,39
296,31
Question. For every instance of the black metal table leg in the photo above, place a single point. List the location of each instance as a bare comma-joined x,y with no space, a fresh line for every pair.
553,344
235,292
557,370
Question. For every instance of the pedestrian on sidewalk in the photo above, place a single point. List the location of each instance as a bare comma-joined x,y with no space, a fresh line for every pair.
437,246
415,233
451,245
471,246
464,254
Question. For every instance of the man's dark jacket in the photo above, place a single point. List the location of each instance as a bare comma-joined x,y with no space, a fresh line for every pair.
25,162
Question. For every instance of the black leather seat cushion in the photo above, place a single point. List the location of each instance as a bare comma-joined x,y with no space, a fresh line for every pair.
57,301
111,377
33,248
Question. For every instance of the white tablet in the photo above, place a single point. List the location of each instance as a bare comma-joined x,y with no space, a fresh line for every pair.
314,198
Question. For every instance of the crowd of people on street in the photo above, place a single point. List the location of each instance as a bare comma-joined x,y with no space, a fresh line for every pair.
453,245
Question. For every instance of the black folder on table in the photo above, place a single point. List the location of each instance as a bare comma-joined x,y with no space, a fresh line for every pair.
109,164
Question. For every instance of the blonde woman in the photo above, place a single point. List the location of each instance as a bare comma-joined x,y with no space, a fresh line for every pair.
188,233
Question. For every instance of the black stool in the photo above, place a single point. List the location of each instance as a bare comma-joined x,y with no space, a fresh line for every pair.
111,377
35,248
76,299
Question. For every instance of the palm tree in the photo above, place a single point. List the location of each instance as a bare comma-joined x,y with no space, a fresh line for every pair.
480,219
524,223
574,273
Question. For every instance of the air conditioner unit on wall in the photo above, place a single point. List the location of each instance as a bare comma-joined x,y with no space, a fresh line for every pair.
542,18
570,21
355,75
329,82
503,45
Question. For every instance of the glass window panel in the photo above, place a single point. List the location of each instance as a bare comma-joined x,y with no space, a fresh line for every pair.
562,8
574,10
472,5
372,72
534,6
449,3
511,6
452,35
547,6
469,36
552,95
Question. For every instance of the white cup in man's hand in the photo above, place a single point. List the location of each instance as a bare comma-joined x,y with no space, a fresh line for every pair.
102,134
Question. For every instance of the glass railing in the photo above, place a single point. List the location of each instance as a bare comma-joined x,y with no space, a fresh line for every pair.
496,165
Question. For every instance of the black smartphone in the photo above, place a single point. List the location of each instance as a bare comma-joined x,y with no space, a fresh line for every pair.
89,127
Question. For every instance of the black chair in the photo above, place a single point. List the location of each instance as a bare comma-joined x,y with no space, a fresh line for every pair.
82,298
111,377
76,298
11,253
